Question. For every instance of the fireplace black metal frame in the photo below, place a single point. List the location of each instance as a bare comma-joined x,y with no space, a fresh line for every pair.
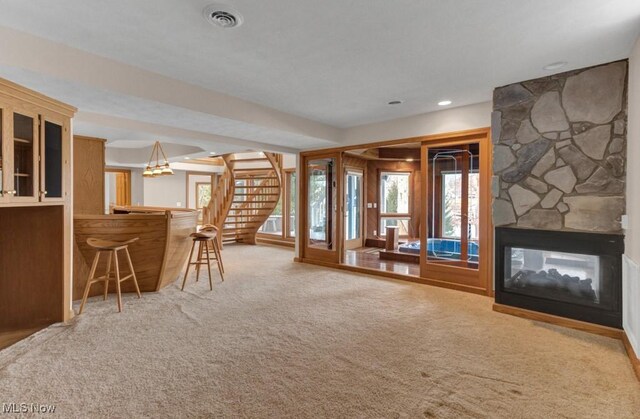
608,246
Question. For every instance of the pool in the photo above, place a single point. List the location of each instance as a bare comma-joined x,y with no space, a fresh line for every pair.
442,248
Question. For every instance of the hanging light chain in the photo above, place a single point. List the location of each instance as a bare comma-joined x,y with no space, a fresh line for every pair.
157,170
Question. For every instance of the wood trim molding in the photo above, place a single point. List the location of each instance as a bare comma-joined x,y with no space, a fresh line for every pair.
394,275
276,240
34,98
461,135
633,357
560,321
609,332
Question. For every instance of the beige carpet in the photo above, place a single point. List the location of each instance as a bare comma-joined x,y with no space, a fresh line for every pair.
279,339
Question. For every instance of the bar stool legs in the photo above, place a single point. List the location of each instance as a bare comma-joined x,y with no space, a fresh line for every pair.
184,281
111,248
218,256
203,258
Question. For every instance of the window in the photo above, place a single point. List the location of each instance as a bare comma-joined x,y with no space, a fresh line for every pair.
281,221
452,205
394,202
401,223
203,194
273,225
291,182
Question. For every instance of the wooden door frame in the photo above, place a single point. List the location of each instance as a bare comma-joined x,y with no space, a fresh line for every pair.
481,134
411,214
479,279
363,213
127,173
320,255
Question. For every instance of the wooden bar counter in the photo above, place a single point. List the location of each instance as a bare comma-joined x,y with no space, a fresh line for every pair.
158,256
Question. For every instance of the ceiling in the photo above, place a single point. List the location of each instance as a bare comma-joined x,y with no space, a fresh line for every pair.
298,73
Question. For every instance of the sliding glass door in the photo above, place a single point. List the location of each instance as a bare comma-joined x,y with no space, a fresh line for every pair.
452,246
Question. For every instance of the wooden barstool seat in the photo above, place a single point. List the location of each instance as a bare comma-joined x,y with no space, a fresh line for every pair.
202,238
111,248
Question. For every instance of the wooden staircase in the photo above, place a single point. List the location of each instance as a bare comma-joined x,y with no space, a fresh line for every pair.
245,196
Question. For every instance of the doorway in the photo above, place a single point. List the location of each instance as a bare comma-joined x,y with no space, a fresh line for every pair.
416,209
353,209
455,223
321,190
117,188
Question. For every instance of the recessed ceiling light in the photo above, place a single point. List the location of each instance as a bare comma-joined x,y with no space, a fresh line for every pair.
187,158
555,66
222,15
444,103
213,153
395,102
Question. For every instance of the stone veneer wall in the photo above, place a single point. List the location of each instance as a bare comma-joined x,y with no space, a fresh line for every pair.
559,150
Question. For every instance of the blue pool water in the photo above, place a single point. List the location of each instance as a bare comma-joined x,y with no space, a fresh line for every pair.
443,248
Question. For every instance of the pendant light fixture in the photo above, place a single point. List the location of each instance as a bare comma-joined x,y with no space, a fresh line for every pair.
158,169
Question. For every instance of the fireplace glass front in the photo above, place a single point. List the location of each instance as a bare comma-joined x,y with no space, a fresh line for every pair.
568,274
560,276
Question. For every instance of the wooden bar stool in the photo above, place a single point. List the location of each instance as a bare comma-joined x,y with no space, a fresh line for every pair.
217,253
111,248
203,239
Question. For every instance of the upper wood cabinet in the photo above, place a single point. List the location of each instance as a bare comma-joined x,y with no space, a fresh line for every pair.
35,145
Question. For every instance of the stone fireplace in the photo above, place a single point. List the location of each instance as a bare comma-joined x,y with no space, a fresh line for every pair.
559,163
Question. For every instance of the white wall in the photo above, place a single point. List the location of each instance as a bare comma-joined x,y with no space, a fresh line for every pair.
631,288
166,191
446,120
137,187
289,161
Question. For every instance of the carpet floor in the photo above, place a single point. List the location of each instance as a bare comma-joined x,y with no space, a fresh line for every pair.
281,339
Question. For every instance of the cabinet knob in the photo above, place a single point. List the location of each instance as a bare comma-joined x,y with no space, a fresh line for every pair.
43,192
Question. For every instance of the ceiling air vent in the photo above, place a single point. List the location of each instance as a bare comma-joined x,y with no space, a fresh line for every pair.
221,15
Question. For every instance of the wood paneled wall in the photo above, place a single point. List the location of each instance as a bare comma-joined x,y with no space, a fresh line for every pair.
88,175
31,266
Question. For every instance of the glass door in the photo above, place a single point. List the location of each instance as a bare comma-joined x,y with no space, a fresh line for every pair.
291,199
320,222
454,199
25,157
52,160
353,198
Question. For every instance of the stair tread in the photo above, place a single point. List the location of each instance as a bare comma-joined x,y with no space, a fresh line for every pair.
257,194
242,222
256,178
257,186
253,202
251,159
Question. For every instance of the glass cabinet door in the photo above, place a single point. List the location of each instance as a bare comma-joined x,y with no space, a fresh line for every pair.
51,156
2,162
25,157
